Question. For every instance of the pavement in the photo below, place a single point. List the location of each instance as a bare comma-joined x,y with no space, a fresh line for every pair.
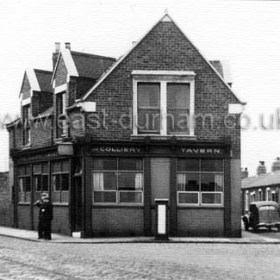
247,238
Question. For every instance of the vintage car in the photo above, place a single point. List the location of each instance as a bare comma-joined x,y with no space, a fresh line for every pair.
262,214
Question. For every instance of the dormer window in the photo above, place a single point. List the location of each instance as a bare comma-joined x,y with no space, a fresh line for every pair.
163,102
61,114
26,124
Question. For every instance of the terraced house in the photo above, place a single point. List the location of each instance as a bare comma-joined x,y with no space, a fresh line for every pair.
110,140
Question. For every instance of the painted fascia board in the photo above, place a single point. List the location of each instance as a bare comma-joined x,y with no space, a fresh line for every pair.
69,63
34,84
120,60
55,68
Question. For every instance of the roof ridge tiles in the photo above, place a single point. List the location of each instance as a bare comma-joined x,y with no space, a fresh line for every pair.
92,55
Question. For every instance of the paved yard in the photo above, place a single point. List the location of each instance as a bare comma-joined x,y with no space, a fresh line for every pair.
20,259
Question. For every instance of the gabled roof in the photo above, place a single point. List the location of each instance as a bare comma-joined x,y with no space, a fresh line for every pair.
268,179
39,80
83,64
44,80
165,18
91,66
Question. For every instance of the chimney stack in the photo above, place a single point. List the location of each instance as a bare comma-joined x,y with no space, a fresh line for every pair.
261,168
57,47
244,173
276,165
68,46
56,53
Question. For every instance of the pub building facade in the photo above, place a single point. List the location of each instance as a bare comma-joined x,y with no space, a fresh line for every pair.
109,139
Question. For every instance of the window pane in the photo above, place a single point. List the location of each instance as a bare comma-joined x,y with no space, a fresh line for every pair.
21,185
130,197
178,96
37,183
187,182
178,106
130,181
21,197
188,165
212,182
45,183
191,198
65,182
130,164
211,198
105,164
45,168
105,197
148,95
212,165
56,182
149,120
56,196
178,121
64,196
110,181
37,168
27,184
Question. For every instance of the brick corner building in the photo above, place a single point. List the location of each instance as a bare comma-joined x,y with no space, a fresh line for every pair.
109,138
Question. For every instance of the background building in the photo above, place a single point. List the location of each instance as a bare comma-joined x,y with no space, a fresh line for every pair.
262,187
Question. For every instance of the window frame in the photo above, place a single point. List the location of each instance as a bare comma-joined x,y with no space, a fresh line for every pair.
164,78
26,194
26,116
61,113
118,190
200,193
60,192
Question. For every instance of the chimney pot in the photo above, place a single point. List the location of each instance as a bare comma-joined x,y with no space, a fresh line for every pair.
57,47
68,45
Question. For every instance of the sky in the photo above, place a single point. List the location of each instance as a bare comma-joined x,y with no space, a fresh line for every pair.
244,33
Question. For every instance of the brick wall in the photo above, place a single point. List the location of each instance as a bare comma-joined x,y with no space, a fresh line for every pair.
118,221
6,207
165,48
24,217
41,133
200,222
61,73
41,101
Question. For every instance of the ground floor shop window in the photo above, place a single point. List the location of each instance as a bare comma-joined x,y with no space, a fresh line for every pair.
60,182
40,179
24,184
117,180
200,182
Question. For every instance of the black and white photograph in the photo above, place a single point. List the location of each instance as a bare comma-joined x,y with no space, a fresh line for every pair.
139,139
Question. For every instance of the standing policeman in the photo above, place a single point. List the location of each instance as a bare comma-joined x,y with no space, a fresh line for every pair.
45,217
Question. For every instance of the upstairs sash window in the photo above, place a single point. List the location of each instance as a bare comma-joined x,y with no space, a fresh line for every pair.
163,103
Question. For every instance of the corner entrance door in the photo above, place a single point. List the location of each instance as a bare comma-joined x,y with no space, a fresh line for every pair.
77,204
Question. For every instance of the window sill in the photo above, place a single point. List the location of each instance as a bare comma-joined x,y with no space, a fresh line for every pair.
114,205
204,206
24,203
25,147
163,137
60,203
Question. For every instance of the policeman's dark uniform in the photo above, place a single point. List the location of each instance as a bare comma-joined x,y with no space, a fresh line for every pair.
45,218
